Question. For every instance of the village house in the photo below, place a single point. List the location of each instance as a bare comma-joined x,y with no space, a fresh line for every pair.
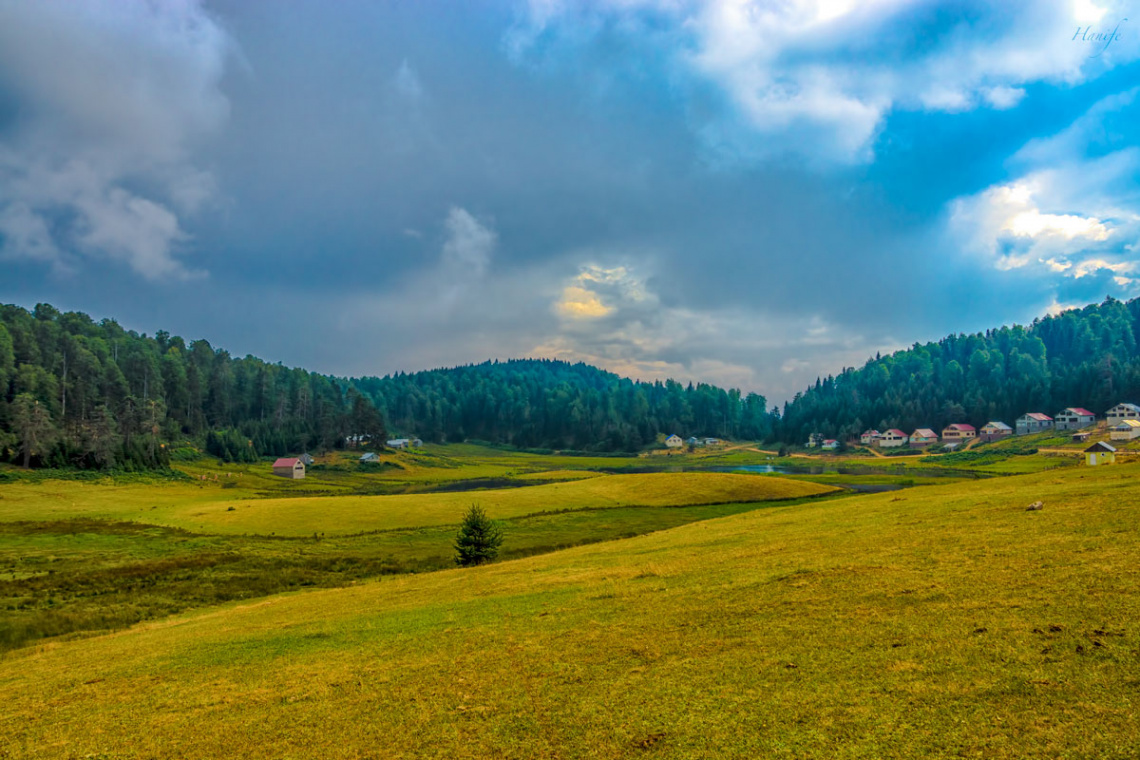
306,459
893,438
1080,436
289,467
1122,412
830,444
693,441
923,437
1101,453
397,443
1125,430
1074,418
869,437
959,432
713,441
369,457
1033,422
674,442
417,443
993,430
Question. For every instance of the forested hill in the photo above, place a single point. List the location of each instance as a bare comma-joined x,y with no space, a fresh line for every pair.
76,392
541,403
1084,357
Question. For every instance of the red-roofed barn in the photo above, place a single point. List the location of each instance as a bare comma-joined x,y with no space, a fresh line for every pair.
289,467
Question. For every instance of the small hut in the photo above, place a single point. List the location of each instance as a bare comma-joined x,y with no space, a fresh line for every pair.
1101,453
289,467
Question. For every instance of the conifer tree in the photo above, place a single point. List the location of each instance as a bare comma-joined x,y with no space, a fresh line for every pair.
478,540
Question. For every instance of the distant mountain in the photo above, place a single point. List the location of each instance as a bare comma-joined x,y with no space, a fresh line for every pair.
76,392
1084,357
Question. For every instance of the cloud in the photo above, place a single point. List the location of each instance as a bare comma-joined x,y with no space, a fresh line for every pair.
818,78
1072,210
407,82
110,99
610,316
467,249
581,303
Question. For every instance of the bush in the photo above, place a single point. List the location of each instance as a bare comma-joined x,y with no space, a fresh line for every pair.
478,540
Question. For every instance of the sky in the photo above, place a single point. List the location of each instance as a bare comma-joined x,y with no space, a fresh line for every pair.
746,193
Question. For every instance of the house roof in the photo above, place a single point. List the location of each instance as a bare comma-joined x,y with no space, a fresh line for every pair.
1038,416
1079,411
896,431
286,462
369,456
1129,407
1101,446
1126,424
871,432
397,441
997,425
830,440
961,426
924,433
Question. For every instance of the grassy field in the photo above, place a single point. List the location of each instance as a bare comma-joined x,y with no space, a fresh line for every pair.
205,508
936,622
82,555
73,576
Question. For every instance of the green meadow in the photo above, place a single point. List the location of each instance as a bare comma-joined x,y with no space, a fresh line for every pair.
942,621
85,555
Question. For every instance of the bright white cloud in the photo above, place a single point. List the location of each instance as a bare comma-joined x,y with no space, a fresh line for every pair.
1067,216
1019,225
113,97
818,77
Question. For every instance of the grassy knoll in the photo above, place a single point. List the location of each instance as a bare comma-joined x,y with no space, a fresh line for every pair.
944,621
205,508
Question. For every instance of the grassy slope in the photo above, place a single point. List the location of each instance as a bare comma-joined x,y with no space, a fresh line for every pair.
64,577
208,509
941,622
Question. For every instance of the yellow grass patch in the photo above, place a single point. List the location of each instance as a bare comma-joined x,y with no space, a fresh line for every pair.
355,514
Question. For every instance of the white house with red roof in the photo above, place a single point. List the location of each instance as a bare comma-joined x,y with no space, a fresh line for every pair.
958,432
1074,418
289,467
1033,422
893,438
870,437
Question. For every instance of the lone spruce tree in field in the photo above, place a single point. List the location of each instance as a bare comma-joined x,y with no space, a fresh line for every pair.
478,539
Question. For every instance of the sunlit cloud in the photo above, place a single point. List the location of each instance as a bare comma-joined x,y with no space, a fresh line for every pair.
580,303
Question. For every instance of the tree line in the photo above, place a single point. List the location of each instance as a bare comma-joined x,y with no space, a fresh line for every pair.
75,392
79,393
1082,357
546,403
